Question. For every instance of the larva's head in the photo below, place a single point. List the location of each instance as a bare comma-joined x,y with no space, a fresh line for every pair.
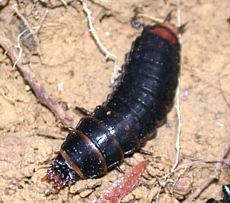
167,30
172,27
60,174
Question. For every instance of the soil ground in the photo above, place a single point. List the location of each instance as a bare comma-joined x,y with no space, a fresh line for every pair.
72,68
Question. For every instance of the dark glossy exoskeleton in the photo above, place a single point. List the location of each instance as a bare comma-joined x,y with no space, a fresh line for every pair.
226,196
130,115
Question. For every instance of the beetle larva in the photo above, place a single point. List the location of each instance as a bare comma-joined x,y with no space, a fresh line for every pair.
131,114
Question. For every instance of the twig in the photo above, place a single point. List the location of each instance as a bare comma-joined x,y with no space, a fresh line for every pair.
208,161
108,55
218,79
63,2
212,177
178,13
50,134
177,106
38,28
222,92
158,194
157,20
48,4
20,49
26,23
11,100
31,79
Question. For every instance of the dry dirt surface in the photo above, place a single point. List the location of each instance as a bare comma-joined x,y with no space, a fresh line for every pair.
73,70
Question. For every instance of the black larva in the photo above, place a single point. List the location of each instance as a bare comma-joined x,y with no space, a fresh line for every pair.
131,113
226,195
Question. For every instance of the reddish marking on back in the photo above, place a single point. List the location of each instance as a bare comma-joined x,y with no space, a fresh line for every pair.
160,31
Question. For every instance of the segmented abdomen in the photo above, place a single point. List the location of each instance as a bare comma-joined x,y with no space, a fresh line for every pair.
136,107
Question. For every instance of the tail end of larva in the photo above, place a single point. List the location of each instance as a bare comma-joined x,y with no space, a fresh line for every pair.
60,175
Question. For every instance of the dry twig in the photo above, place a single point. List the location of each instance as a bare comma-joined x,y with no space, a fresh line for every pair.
103,49
157,20
26,24
213,176
177,106
32,80
50,134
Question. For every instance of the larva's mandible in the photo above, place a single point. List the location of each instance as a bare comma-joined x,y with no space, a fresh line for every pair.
130,115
